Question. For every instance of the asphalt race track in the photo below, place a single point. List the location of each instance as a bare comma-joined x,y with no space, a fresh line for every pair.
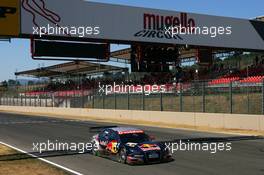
246,156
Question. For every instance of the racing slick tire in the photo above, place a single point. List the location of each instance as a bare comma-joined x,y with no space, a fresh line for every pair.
122,156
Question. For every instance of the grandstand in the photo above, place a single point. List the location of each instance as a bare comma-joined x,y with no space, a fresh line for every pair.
76,84
87,73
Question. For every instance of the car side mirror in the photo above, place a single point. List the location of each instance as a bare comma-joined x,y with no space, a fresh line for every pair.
152,137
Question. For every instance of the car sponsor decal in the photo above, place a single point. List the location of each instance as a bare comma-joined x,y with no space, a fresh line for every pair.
149,147
130,132
113,146
9,18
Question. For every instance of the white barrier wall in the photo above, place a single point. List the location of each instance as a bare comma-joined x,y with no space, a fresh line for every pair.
210,120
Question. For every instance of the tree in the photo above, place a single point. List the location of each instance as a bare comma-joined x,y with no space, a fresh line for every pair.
30,82
4,83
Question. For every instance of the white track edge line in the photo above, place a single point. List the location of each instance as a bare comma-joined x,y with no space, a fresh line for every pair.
42,159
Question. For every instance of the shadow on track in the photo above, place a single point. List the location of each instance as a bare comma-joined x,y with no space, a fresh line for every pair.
217,139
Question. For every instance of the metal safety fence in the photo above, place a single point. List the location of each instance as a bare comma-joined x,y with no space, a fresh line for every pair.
202,97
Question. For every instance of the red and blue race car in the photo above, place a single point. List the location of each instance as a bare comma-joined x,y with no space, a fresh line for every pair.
129,146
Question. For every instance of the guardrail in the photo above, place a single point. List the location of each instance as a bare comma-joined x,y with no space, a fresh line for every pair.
199,97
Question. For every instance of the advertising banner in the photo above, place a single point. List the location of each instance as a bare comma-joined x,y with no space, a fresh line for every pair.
9,18
83,19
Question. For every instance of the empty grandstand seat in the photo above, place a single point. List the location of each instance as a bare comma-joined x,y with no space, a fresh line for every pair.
253,79
223,80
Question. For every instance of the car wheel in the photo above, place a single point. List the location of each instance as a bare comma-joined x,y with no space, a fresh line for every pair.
122,156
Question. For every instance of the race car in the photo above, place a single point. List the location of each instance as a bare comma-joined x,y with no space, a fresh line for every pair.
129,146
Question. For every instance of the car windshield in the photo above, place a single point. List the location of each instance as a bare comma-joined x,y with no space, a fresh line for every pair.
134,138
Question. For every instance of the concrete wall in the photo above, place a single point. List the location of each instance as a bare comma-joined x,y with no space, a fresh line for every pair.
211,120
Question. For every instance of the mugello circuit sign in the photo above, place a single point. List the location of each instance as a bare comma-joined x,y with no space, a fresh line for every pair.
79,18
158,22
155,25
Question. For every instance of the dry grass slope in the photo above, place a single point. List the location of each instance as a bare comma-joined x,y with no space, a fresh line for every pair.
12,164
